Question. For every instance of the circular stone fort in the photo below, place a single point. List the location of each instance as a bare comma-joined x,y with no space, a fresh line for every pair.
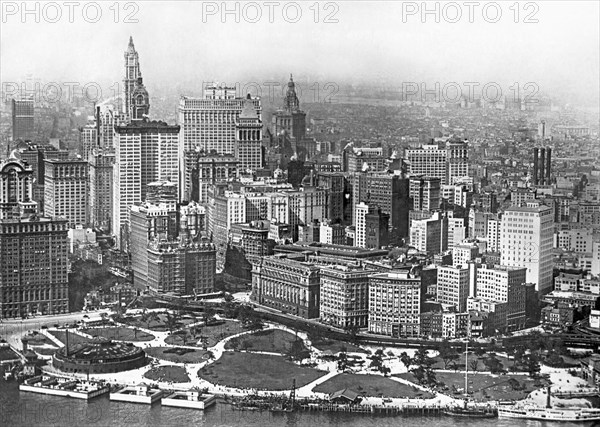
99,356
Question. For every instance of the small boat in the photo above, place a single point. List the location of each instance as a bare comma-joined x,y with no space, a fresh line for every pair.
473,412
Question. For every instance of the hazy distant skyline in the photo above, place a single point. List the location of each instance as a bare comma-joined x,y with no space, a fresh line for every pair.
560,53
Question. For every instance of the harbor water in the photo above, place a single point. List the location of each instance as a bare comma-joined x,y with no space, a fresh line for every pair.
22,409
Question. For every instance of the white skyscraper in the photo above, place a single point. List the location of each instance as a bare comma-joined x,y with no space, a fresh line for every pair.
145,152
526,238
360,239
453,286
209,124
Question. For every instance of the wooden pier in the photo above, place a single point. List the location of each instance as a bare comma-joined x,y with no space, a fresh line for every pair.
405,410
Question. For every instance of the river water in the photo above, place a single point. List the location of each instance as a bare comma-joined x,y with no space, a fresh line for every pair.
23,409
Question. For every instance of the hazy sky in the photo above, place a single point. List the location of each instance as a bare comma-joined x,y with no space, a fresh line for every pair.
370,41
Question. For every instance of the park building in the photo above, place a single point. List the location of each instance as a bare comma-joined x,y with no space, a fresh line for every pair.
287,283
394,304
345,295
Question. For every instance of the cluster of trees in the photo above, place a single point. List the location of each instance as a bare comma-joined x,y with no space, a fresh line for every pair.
377,362
421,366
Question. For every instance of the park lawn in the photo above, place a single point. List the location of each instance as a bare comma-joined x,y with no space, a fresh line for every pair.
175,374
194,356
73,337
7,353
484,387
371,385
39,339
207,336
270,340
158,325
258,371
481,367
119,333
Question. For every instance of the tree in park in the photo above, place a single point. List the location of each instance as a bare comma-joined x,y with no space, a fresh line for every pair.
352,331
447,353
342,362
297,351
405,359
532,364
377,362
473,364
171,322
208,314
492,363
423,370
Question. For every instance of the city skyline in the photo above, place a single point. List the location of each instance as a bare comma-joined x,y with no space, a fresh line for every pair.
384,49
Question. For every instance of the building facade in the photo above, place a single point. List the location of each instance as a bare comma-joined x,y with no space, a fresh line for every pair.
526,240
289,285
345,296
66,190
394,304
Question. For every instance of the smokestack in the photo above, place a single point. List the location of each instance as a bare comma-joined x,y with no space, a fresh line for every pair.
535,166
542,165
548,162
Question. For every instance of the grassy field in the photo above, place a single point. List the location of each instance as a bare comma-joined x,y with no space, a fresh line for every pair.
6,353
207,335
120,333
194,356
259,371
175,374
73,337
158,324
271,340
371,385
484,386
481,367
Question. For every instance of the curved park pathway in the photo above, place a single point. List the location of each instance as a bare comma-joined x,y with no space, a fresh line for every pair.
136,376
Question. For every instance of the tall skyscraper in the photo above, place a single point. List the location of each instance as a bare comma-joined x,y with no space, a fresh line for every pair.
388,191
248,147
88,139
453,286
33,249
101,164
291,119
209,124
526,240
448,161
135,102
360,224
22,118
425,193
145,152
66,190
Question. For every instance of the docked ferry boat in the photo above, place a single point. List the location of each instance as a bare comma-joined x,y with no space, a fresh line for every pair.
549,413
